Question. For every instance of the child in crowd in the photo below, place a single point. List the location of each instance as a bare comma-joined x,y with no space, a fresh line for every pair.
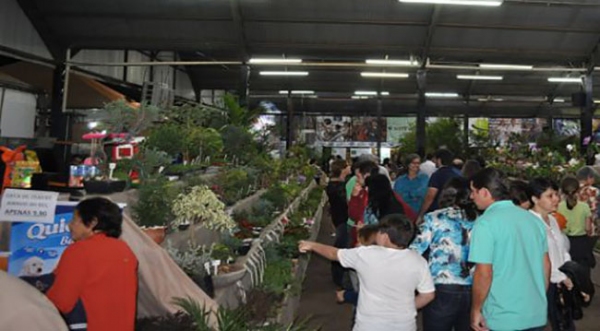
366,237
385,303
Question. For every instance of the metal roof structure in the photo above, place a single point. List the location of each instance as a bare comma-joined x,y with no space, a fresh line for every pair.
559,38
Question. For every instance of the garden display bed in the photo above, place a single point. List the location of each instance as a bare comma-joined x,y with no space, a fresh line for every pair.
254,262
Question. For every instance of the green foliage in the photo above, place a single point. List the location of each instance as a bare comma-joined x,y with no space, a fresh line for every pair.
122,118
156,196
233,184
146,162
238,143
238,115
232,319
443,132
166,137
189,115
278,276
204,142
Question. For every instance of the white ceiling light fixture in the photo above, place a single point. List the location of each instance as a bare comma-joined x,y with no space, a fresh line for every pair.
398,63
284,73
577,80
596,101
296,92
492,66
487,3
441,95
371,93
558,100
359,97
479,77
383,75
365,93
273,61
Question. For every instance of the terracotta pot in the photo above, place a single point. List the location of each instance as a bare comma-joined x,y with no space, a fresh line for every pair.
156,233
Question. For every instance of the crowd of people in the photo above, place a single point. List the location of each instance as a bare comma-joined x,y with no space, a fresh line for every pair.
459,241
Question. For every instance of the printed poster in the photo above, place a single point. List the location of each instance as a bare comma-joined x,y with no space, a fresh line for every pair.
567,127
334,128
398,127
37,247
365,129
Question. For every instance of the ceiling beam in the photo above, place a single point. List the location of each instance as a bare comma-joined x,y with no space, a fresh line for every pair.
35,16
238,21
435,15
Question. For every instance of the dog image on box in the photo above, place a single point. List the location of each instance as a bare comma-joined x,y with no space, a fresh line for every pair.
33,266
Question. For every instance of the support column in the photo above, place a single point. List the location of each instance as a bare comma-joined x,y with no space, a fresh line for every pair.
379,129
587,114
244,86
421,109
290,121
60,126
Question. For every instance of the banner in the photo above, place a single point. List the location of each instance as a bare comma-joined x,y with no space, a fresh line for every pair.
37,247
398,127
334,128
365,129
501,129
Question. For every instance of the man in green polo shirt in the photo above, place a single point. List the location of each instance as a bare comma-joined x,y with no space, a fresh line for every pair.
510,249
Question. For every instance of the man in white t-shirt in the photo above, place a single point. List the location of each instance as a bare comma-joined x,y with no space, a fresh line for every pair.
428,167
388,273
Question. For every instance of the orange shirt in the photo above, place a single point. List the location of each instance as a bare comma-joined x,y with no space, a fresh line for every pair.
102,272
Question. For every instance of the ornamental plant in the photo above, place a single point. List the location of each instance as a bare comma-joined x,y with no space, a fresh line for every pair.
201,206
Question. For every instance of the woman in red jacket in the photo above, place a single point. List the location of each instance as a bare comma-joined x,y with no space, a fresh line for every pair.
98,269
373,198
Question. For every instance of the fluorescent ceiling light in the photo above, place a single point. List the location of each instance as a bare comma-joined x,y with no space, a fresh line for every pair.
365,93
489,3
558,100
479,77
371,93
505,66
273,61
297,92
492,99
359,97
284,73
596,101
383,75
441,95
565,80
405,63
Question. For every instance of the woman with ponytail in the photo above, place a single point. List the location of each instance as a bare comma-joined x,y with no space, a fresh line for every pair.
579,222
577,213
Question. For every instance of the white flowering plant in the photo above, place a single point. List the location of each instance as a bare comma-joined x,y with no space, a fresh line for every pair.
191,261
201,206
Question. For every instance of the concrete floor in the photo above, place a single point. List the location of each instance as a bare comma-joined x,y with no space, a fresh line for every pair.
318,296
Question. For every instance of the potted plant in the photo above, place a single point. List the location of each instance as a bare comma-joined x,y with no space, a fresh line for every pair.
200,206
124,122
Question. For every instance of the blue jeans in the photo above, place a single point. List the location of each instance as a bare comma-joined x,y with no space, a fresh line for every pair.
450,310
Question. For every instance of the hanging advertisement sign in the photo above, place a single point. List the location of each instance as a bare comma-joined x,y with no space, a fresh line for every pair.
334,128
398,127
366,129
36,247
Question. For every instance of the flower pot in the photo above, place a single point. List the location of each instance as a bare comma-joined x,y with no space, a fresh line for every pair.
230,278
205,283
156,233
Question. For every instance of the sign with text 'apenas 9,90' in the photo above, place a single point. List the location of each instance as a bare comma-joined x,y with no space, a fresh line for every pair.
28,206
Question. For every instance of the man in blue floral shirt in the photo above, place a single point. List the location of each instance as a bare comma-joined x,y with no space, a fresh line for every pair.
445,233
